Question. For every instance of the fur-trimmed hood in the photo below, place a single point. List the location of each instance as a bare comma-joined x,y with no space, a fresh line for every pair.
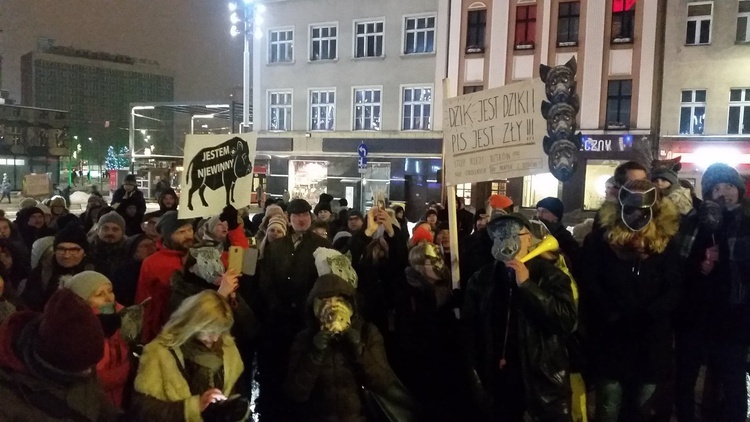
651,240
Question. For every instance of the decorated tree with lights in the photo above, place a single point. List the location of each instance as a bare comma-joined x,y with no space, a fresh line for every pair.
115,161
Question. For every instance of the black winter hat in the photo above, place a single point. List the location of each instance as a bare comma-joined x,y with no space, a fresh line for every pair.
721,173
324,197
298,206
355,213
129,179
322,206
72,233
553,205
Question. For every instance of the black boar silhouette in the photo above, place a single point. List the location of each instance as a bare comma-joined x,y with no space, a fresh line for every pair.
217,166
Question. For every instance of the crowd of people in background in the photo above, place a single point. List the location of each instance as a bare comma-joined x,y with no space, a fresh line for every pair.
345,314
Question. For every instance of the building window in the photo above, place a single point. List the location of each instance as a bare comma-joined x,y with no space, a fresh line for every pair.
323,39
472,89
280,110
281,46
595,182
499,188
322,109
538,187
568,18
463,190
743,21
699,24
420,35
417,107
369,39
623,20
739,111
367,109
619,94
525,27
477,21
693,112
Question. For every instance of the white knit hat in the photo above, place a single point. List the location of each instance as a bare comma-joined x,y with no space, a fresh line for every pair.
85,283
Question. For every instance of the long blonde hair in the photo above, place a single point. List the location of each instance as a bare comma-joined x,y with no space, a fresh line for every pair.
206,311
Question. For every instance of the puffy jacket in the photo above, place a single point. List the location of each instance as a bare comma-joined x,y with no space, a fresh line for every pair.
153,282
546,316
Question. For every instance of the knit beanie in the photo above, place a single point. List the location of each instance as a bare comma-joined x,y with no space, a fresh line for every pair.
70,336
211,224
44,209
278,221
325,197
58,200
169,223
341,235
112,217
553,205
322,206
28,203
66,219
272,210
39,247
667,174
85,283
72,233
420,234
721,173
129,180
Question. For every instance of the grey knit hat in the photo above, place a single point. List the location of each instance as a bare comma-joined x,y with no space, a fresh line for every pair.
112,217
38,247
721,173
85,283
28,203
169,223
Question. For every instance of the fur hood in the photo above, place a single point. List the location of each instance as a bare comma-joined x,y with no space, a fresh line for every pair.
651,240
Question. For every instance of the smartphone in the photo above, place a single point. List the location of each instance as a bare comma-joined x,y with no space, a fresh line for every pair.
250,261
236,255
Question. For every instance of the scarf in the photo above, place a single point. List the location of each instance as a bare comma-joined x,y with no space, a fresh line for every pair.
205,366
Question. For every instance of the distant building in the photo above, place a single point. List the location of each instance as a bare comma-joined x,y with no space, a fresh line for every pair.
96,88
706,95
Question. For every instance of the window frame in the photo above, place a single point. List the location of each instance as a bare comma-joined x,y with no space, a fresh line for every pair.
312,40
741,104
741,15
699,20
623,16
271,43
620,98
356,36
290,106
474,29
354,119
568,17
403,103
526,44
310,104
692,105
405,32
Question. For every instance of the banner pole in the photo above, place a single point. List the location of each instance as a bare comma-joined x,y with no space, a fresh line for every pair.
450,192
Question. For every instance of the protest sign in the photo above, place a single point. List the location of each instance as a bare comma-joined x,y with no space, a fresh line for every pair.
494,134
35,185
218,172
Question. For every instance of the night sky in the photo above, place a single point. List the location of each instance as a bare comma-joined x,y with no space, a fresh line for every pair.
189,37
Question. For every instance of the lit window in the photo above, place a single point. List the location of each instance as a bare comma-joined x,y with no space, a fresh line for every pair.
463,190
739,112
538,187
623,20
420,35
595,180
280,110
367,109
699,23
525,27
369,39
693,112
281,46
324,42
322,109
417,108
619,94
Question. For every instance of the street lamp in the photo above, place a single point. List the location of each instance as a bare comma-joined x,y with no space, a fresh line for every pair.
248,14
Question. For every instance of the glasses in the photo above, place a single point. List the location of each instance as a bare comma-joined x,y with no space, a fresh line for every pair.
72,251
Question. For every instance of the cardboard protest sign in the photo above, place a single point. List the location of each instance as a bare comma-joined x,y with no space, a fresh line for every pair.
494,134
36,185
218,172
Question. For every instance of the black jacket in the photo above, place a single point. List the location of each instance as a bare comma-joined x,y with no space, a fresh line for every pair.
136,197
475,253
545,315
568,245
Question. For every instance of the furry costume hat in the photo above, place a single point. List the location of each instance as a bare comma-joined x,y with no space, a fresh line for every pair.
331,261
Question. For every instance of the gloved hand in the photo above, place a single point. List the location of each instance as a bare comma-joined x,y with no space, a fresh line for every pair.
321,342
229,214
353,341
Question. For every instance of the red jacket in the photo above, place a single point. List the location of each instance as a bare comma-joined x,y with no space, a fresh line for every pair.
236,238
153,282
114,368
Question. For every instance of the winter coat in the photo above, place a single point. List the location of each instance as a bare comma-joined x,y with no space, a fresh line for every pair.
332,390
162,392
545,315
125,281
114,368
27,397
107,257
136,196
153,282
627,304
30,234
167,191
182,286
475,254
45,280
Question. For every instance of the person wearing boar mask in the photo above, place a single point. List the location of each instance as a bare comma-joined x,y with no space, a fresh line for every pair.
712,322
629,287
515,320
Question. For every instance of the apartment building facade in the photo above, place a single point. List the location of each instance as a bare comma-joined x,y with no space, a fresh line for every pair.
617,45
706,91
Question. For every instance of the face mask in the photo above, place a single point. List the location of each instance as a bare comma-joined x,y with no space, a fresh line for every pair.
636,208
506,242
208,264
107,309
334,314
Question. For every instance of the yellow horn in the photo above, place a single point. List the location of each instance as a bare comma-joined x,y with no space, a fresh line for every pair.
549,244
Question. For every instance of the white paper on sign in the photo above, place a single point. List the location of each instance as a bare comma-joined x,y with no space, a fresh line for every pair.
494,134
218,171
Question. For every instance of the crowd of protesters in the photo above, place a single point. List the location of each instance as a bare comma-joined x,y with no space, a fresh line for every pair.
341,314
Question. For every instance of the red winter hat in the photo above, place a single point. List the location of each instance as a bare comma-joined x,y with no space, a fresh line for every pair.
70,336
420,234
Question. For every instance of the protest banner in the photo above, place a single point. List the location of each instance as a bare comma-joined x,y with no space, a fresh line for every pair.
218,172
494,134
36,185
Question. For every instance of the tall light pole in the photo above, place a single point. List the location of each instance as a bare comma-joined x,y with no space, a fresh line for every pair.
252,18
